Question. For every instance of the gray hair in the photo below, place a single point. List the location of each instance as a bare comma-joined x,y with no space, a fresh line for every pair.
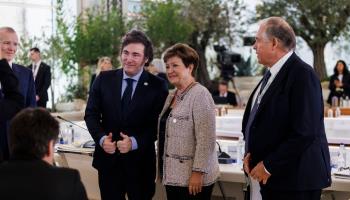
6,29
159,65
277,27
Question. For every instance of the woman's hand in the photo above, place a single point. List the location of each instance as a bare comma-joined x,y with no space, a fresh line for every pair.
196,182
338,83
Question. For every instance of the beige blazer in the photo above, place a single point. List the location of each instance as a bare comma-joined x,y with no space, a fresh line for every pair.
190,137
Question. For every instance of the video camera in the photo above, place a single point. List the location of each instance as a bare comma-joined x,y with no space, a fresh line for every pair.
226,59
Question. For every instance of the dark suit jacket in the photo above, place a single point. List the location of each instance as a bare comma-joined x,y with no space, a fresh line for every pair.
288,132
103,115
26,84
27,90
332,88
36,179
42,81
11,101
230,98
93,77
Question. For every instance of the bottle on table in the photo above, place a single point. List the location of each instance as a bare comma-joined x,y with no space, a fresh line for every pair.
346,102
240,150
341,156
341,102
337,112
71,134
330,112
335,101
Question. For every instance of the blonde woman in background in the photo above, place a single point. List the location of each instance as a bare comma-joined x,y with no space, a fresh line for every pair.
103,64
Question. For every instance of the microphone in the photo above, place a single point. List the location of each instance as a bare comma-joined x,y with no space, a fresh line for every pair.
69,121
223,157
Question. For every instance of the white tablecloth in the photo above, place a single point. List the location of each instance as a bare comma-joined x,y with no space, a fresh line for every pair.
337,129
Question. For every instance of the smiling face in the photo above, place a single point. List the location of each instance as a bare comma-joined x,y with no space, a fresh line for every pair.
178,74
133,58
8,45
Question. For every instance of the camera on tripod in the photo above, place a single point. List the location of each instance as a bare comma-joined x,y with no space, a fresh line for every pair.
226,60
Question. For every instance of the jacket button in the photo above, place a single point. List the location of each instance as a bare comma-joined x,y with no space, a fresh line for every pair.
181,161
166,155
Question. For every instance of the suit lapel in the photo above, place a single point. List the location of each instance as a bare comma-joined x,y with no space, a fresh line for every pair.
276,82
140,90
40,72
118,89
16,70
167,102
249,107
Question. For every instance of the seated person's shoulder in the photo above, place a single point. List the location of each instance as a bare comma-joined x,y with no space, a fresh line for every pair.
65,172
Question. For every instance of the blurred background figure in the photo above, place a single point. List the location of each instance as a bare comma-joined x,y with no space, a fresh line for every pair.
339,83
103,64
223,95
42,77
157,67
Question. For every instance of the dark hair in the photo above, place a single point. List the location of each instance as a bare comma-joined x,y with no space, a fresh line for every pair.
187,54
136,36
31,130
279,28
223,82
35,49
345,71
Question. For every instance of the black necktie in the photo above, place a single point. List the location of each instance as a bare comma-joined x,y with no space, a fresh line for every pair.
255,108
34,68
126,99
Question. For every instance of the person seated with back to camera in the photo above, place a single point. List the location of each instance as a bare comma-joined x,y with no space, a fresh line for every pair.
223,95
29,173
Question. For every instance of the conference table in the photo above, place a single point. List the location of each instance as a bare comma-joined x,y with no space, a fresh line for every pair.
231,175
337,129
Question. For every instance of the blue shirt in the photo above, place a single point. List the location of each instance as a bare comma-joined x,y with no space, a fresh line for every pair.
136,79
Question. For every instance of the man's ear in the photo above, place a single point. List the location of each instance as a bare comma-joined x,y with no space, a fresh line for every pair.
275,42
50,149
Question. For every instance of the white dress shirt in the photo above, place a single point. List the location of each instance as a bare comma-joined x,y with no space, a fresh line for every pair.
254,185
36,69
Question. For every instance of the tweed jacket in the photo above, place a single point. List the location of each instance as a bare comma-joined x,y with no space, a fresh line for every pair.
190,137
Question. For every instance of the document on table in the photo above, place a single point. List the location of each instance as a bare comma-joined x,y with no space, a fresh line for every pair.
73,149
344,174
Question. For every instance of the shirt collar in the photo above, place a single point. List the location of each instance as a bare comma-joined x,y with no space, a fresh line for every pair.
10,63
135,78
37,64
278,65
